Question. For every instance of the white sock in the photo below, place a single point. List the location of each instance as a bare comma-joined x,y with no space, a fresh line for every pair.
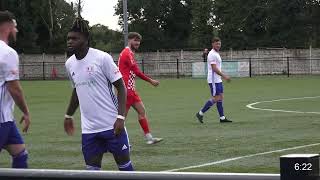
149,136
222,118
201,113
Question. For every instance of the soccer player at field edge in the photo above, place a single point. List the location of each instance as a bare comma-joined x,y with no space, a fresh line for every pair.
129,69
10,93
93,74
215,82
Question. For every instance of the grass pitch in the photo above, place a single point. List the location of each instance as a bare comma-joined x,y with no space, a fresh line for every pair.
171,109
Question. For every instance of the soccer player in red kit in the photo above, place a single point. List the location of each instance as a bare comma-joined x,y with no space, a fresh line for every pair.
129,70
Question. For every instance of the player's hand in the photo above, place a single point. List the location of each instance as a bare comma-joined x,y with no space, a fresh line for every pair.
118,126
26,119
68,126
227,78
155,83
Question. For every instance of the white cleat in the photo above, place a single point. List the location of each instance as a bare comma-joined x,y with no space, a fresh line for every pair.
154,140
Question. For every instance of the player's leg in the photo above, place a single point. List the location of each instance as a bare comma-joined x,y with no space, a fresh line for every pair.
16,147
120,148
143,121
208,104
219,92
92,151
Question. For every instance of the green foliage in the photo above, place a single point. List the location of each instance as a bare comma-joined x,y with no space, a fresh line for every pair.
241,24
175,24
279,23
106,39
37,34
164,24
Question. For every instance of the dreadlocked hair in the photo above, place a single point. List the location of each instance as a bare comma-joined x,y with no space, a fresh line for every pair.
80,25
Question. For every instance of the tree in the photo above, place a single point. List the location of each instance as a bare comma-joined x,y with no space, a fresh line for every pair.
202,27
162,23
106,39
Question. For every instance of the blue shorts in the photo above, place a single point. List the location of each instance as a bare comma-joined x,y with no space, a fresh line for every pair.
102,142
216,89
9,134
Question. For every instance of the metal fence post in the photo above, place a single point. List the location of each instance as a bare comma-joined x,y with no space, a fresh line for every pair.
250,68
178,75
43,71
288,68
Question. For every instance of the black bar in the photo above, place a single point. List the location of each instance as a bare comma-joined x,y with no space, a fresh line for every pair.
288,69
41,174
250,68
178,75
22,68
299,167
43,71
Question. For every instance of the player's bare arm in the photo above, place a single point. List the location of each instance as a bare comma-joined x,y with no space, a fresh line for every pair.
68,120
122,98
216,70
16,92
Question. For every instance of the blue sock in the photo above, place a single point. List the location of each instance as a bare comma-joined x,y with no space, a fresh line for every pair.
207,106
126,167
92,168
20,160
220,108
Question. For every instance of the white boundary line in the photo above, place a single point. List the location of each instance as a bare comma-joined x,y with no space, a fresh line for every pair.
257,154
241,157
250,106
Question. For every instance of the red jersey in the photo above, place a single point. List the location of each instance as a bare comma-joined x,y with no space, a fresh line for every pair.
129,69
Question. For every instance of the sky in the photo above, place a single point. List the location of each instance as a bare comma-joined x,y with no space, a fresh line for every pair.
100,11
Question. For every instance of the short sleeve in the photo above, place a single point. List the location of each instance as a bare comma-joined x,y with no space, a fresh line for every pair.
11,67
70,76
110,69
212,59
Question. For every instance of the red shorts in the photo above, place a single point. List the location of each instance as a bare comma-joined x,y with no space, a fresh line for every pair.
132,98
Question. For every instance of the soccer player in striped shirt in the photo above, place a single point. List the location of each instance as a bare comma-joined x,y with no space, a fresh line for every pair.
11,93
215,82
129,70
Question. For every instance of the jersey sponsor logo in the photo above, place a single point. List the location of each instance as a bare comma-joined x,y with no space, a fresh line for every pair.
91,83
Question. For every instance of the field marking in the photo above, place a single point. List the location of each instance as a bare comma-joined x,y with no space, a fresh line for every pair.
241,157
251,106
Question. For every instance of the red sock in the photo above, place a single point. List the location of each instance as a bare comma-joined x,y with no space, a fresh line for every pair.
144,125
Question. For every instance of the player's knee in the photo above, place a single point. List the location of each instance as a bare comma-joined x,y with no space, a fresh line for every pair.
216,99
219,98
124,163
142,115
93,163
20,160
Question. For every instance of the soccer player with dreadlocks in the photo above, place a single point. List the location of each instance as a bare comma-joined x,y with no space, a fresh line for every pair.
93,74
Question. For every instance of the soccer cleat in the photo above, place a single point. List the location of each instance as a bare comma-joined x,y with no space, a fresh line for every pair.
225,121
199,117
154,140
